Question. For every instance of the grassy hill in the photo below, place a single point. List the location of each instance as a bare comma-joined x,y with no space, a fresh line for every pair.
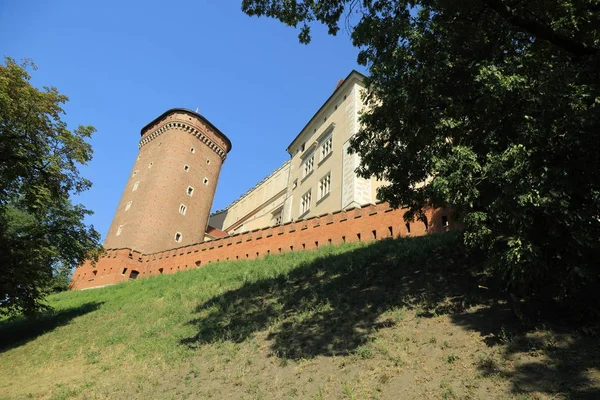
393,319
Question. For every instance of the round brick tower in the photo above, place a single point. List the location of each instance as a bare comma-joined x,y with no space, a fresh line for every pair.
168,197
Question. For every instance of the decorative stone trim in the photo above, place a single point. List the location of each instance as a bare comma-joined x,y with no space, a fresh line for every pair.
187,128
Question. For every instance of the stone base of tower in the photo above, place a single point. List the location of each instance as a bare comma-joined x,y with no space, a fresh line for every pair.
361,224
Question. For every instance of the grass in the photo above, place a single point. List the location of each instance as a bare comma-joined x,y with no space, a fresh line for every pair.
401,318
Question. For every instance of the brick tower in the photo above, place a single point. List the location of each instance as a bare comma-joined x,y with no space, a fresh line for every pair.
168,197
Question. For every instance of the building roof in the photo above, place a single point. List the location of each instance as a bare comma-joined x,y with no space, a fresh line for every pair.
193,114
214,232
341,84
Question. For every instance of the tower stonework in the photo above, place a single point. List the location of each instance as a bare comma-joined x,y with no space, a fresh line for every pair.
167,200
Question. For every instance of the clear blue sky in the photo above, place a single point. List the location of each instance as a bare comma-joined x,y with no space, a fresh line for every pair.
123,63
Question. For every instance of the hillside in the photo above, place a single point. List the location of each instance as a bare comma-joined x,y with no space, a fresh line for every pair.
392,319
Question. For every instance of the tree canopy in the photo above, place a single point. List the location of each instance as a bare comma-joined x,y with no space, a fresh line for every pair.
494,104
42,234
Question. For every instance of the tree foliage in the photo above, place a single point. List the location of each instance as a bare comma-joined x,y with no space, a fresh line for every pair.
494,104
42,234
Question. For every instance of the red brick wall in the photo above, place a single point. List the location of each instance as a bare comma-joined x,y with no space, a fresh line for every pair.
153,219
371,222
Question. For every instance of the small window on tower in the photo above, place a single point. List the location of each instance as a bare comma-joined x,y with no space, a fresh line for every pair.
190,191
135,172
178,237
182,209
192,150
135,186
207,161
205,181
186,168
151,164
119,230
128,205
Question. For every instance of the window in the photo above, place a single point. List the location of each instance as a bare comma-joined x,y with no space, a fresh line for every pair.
119,229
326,147
134,274
207,161
324,186
186,168
190,191
178,237
135,186
205,181
128,205
135,172
277,216
308,165
192,150
151,164
182,209
305,202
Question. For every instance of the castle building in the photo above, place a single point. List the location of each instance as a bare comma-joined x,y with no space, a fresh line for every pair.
163,222
319,177
166,202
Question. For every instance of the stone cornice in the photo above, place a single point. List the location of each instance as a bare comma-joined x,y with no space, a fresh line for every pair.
184,126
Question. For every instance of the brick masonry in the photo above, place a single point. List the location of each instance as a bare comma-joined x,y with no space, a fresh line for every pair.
178,150
370,222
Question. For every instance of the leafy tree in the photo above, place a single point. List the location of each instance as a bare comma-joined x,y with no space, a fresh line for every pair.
42,234
495,105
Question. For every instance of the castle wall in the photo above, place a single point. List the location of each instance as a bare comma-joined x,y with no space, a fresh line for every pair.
178,165
259,206
371,222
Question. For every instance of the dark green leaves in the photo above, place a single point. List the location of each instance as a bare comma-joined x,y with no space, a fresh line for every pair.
42,235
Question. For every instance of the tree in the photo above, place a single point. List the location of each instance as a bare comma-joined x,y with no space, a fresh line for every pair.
495,105
42,233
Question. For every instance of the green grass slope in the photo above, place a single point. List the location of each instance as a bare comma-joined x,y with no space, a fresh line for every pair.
403,318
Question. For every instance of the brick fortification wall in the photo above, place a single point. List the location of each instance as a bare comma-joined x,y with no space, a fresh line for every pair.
371,222
178,165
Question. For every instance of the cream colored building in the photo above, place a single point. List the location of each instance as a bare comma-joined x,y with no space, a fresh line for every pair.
320,176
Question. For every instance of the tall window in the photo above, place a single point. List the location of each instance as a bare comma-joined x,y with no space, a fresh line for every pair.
324,185
308,165
128,205
305,202
135,186
190,191
277,216
182,209
119,230
178,237
326,147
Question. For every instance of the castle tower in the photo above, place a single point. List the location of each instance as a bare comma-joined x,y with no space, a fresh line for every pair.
170,190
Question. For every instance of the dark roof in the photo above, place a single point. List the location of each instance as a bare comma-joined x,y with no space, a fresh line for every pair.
337,89
193,114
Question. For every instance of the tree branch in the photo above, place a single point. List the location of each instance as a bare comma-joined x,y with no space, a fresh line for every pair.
566,43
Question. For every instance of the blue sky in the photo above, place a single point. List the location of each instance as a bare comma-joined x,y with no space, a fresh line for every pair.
124,63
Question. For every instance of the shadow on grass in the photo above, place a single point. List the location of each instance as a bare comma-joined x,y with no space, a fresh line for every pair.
17,331
333,304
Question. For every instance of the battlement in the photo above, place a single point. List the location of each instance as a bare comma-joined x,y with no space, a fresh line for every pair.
367,223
